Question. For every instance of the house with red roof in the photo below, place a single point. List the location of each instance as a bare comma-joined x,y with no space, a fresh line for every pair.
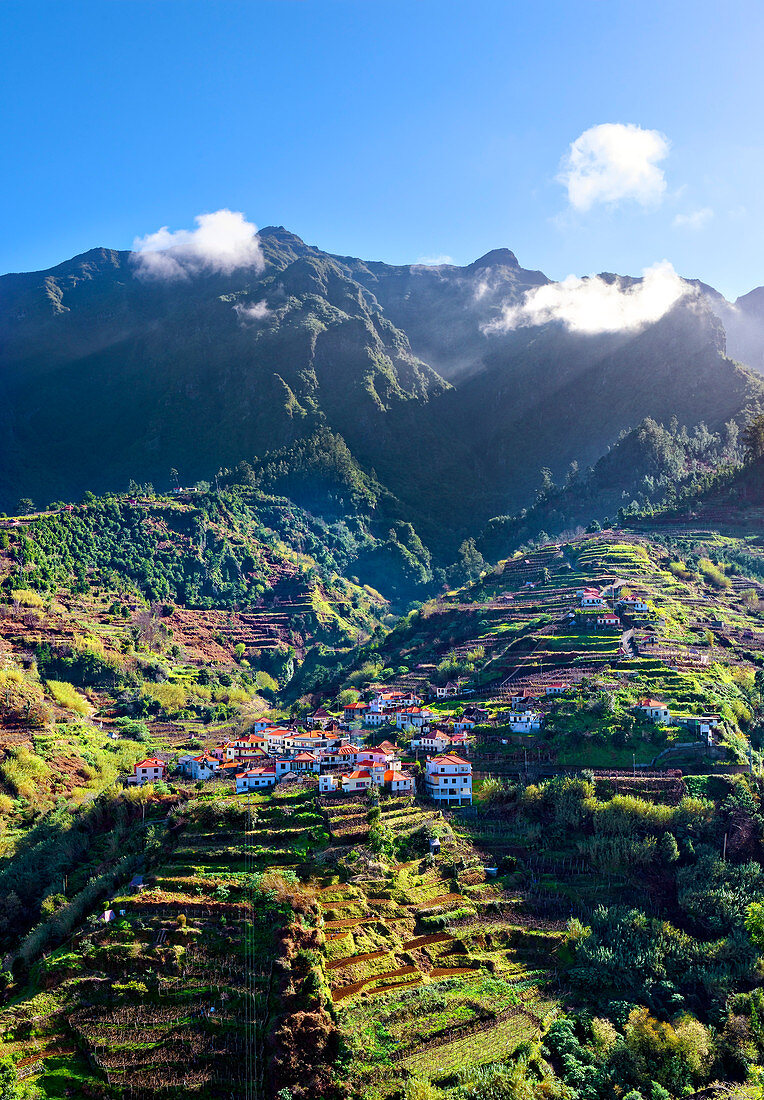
359,780
415,717
432,740
306,762
398,782
354,712
342,755
320,718
556,687
204,766
655,709
148,771
449,779
255,779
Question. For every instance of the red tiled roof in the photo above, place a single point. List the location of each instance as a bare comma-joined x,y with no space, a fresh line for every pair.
151,762
360,774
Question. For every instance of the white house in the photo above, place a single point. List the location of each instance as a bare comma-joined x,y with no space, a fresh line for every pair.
148,771
329,783
414,716
444,691
398,782
608,619
521,699
592,599
431,741
655,710
203,767
345,754
255,779
526,722
374,718
555,687
635,604
449,779
359,780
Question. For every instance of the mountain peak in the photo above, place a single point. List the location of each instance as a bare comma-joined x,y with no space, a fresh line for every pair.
497,257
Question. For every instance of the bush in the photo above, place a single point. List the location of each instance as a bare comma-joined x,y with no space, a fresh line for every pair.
67,697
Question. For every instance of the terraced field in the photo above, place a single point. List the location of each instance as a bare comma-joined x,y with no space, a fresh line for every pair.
431,953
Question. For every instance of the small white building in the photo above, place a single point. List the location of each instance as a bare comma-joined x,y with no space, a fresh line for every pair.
655,710
415,717
255,779
555,687
398,782
203,767
525,723
149,770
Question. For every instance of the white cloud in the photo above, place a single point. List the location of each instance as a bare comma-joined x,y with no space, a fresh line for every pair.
596,305
258,311
615,162
433,261
696,219
221,243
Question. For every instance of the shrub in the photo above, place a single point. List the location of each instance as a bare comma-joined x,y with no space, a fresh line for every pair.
26,598
67,696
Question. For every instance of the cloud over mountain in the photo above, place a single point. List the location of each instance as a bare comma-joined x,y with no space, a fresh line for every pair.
221,243
597,304
615,162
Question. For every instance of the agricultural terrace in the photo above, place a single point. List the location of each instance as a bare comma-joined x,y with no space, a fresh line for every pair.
695,644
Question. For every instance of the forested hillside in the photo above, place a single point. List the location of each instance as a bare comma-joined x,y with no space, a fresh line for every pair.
406,374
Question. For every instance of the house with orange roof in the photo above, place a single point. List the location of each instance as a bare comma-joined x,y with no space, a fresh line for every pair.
306,762
415,717
655,709
149,770
204,766
449,779
359,780
431,740
398,782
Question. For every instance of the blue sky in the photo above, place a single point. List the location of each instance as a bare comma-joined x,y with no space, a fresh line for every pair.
393,131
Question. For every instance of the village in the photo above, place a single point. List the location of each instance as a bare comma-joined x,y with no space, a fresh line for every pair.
426,739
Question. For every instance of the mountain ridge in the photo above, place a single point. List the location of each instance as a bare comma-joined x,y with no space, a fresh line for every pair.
107,374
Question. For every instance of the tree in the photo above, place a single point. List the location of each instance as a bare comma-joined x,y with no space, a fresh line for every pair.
753,438
25,506
471,561
9,1079
668,848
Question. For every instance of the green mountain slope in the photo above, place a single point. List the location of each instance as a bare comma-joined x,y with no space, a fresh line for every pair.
107,375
